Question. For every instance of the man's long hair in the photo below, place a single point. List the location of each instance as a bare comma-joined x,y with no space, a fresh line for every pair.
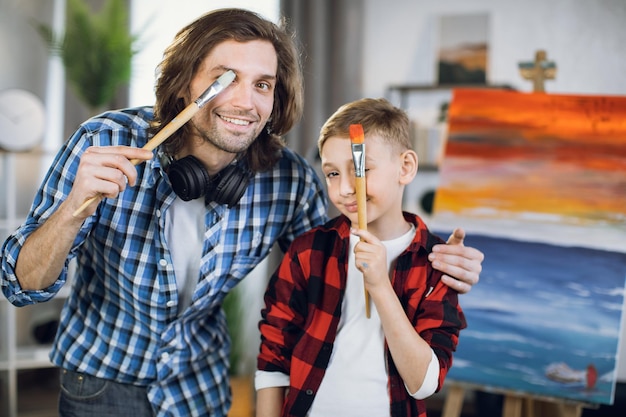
190,47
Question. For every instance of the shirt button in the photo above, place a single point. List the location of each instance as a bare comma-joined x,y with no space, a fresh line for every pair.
171,303
158,213
163,262
309,392
165,356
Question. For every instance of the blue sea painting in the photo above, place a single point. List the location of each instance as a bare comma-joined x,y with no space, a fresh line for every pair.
540,316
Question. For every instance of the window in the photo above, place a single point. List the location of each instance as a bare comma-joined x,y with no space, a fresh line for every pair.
158,21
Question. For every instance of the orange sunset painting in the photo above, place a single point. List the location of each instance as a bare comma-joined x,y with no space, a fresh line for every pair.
538,182
538,158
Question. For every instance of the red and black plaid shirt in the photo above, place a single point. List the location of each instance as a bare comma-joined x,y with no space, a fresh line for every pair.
303,306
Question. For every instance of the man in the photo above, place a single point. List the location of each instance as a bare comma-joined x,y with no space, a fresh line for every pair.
142,332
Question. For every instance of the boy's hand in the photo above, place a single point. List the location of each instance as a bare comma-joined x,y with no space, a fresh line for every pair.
371,258
460,264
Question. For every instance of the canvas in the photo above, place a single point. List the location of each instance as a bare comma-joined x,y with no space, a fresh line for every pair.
538,182
463,49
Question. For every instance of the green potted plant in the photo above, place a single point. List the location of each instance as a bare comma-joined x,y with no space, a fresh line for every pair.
96,50
233,310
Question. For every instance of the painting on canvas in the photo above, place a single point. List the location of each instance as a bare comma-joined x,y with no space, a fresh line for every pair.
463,49
539,183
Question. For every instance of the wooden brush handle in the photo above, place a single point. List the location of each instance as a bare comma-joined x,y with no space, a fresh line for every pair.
169,129
361,205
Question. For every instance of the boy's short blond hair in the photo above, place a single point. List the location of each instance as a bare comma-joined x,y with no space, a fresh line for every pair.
377,116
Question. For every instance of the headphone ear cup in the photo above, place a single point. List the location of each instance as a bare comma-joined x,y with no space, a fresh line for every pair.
188,177
229,186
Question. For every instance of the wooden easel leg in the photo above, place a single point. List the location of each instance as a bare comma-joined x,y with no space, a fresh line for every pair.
454,402
571,410
540,408
529,408
512,406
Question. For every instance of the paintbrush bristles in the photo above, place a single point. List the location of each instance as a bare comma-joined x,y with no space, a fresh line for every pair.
356,133
357,138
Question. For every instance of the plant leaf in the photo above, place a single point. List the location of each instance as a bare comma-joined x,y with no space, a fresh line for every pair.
96,50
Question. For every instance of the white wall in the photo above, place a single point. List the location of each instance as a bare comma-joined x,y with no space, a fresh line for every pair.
158,21
584,38
23,54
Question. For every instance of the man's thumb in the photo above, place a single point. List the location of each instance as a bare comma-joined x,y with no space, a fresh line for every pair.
456,238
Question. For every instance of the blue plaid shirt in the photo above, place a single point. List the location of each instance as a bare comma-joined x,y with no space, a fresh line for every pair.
120,321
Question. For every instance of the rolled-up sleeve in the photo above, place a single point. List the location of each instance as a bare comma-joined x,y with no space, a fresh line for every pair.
11,287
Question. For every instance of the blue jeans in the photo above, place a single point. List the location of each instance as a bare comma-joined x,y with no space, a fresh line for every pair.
86,396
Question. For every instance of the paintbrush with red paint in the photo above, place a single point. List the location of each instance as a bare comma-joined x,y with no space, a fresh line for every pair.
357,139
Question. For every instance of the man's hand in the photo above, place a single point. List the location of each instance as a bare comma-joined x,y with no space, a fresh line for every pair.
104,172
460,264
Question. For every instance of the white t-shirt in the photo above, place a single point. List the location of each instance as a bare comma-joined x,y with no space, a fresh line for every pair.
184,233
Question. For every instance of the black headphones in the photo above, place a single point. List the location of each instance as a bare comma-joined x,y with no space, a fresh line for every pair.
190,180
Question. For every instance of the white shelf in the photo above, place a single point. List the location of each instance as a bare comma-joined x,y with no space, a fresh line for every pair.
29,357
18,350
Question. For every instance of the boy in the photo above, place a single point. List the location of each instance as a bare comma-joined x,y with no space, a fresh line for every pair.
316,339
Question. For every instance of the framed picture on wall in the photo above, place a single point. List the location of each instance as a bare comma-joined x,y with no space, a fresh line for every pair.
463,49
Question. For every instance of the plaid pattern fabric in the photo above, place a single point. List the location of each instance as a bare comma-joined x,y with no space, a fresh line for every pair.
303,306
120,321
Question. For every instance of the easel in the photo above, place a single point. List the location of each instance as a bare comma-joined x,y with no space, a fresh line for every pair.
538,71
515,404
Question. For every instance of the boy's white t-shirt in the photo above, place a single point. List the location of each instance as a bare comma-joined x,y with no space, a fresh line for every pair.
355,381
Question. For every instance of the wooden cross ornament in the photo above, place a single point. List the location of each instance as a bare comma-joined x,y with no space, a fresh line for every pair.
538,71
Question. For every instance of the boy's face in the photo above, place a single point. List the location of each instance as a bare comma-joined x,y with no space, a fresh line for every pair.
387,171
